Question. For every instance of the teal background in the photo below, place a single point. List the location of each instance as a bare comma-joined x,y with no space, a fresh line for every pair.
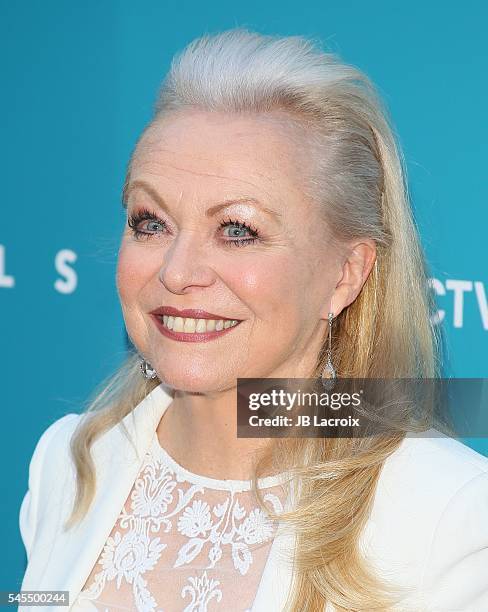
79,81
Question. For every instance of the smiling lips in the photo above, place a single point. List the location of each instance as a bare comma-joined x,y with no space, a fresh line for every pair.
191,325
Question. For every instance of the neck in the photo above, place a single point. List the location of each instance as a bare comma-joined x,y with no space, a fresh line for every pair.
200,433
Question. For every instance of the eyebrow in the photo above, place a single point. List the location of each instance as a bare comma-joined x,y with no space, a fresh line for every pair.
210,212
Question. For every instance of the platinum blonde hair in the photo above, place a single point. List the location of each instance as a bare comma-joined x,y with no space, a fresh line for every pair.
356,175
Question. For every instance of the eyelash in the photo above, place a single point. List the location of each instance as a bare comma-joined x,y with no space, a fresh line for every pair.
145,214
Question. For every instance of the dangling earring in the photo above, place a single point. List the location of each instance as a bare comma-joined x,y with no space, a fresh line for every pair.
329,375
147,370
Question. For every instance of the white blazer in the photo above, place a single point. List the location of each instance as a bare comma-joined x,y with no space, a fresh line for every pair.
428,529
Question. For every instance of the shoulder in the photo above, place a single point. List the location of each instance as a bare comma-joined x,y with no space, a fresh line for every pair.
53,444
53,440
430,518
58,430
425,476
49,457
432,467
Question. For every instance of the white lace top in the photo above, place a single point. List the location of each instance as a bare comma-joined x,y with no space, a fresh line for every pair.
184,542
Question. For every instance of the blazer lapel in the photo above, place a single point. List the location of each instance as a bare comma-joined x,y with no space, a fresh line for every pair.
277,575
75,552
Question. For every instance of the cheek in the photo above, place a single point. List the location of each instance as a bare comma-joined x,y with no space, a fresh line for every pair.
133,271
272,287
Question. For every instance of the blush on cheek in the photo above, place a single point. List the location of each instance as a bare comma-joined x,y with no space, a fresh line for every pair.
121,272
130,272
273,283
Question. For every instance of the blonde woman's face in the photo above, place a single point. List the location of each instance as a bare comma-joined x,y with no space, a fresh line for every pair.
263,258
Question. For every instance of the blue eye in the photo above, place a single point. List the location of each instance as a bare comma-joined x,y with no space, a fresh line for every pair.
135,219
236,230
155,226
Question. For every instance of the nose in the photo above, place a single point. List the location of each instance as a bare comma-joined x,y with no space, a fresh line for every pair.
186,264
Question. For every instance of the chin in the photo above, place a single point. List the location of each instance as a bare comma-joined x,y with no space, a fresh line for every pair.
194,383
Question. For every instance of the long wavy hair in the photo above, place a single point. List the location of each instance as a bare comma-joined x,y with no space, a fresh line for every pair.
357,176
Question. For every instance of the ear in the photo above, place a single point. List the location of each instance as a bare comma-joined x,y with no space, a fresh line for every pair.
356,266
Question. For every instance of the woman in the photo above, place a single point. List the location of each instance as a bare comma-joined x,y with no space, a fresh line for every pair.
272,146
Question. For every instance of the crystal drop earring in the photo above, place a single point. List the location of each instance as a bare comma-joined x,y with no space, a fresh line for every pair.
329,374
147,370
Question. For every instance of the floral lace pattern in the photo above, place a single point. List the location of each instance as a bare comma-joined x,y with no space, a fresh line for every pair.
187,543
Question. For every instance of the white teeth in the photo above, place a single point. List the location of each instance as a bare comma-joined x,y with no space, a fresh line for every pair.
190,326
178,324
200,326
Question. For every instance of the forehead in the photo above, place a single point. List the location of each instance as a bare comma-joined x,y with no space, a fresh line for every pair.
201,148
